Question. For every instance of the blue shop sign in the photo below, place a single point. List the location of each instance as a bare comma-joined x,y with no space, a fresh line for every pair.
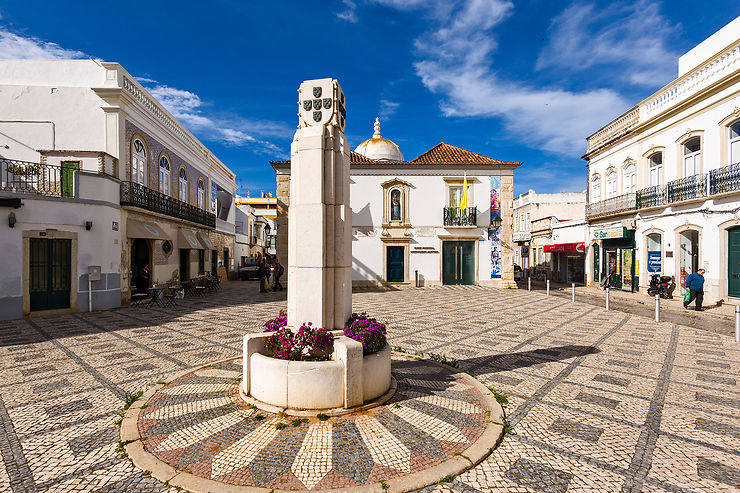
654,261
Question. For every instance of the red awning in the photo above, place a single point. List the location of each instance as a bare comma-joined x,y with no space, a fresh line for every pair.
566,248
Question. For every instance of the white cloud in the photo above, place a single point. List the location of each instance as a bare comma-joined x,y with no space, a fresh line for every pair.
455,61
15,46
232,130
349,13
388,108
632,37
145,80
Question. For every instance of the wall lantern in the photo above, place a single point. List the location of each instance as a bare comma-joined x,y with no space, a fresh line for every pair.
496,222
267,230
11,220
88,225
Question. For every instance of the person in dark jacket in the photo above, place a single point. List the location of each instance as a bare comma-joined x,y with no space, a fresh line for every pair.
263,275
695,285
277,272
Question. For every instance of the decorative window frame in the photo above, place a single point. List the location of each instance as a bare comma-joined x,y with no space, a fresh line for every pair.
646,158
164,154
130,170
724,135
201,179
180,169
457,181
404,187
611,169
652,230
680,142
623,169
686,226
595,177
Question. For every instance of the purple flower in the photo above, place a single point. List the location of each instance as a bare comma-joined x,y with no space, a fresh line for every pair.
366,330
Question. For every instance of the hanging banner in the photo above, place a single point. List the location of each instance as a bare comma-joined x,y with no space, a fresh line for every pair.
494,234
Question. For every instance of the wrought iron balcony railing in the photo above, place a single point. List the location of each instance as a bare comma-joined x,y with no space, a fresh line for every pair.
36,178
689,188
650,197
725,179
138,195
454,216
614,205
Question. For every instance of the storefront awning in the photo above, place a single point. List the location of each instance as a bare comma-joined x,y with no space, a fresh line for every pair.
187,239
565,248
148,231
206,241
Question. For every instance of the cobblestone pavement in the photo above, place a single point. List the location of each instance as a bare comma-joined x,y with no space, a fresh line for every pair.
598,400
200,424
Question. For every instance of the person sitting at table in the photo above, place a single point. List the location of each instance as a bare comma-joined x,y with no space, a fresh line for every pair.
142,279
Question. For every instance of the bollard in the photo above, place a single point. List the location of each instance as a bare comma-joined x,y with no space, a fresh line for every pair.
657,308
416,278
573,292
737,323
607,299
529,284
548,287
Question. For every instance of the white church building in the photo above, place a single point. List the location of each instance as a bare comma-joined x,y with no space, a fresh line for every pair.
664,178
408,226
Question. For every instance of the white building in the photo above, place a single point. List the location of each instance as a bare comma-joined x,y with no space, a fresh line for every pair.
96,173
252,233
532,206
664,177
407,220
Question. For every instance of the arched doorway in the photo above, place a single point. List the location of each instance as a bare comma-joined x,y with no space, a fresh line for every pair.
733,262
688,254
140,265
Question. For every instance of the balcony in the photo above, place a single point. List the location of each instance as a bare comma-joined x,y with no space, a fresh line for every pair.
454,216
725,179
612,206
650,197
137,195
35,178
689,188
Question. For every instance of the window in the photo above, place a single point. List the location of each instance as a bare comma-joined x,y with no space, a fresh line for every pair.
456,195
521,222
692,157
138,162
395,205
656,169
527,224
164,175
183,180
596,188
629,178
611,184
201,195
735,143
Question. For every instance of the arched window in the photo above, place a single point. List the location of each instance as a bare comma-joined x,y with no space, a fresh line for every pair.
183,181
595,188
201,195
611,184
735,143
656,169
629,178
138,162
164,175
396,205
692,157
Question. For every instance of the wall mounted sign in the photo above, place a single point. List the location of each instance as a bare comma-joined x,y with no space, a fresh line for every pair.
669,254
654,261
115,226
609,233
424,249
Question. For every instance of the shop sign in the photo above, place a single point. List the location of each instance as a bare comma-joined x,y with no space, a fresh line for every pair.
654,262
606,234
525,251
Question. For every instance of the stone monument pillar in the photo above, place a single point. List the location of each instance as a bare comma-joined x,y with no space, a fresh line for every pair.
319,215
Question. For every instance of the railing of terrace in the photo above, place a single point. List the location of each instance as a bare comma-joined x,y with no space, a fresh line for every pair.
649,197
453,216
688,188
138,195
622,203
36,178
725,179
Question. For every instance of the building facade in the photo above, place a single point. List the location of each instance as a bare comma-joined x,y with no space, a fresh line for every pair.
531,207
410,223
253,233
664,178
101,185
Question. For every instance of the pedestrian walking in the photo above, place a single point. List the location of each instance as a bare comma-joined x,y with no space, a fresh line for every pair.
277,272
695,285
263,276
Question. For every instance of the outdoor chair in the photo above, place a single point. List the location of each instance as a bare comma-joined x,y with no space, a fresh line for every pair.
139,299
168,297
199,286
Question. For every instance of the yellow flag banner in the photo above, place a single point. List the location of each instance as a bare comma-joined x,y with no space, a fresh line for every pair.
464,200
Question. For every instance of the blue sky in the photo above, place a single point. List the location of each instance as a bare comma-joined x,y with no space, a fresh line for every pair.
524,81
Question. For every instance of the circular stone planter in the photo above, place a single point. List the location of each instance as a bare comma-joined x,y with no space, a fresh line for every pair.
350,380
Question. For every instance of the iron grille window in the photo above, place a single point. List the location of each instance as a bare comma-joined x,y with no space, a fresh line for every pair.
454,216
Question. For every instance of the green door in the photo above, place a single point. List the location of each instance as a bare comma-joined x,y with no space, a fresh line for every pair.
458,262
597,278
733,262
49,273
394,263
68,177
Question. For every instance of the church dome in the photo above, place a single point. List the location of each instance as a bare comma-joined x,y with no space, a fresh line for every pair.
378,148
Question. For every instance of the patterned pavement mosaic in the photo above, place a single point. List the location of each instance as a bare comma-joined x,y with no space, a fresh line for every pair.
198,423
598,401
